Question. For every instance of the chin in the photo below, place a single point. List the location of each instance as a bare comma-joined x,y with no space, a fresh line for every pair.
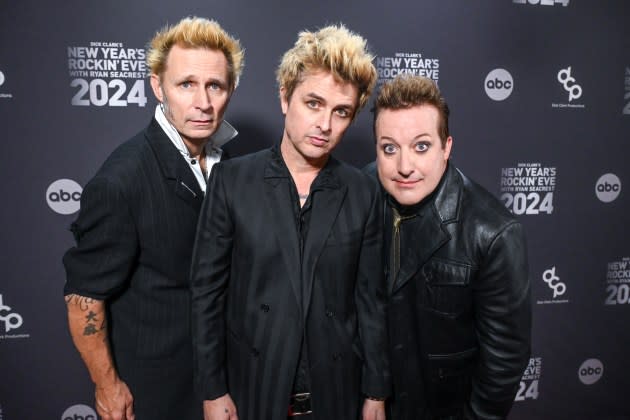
408,198
407,202
315,153
200,135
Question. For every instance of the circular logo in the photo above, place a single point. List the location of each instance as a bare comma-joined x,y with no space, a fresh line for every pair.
591,371
499,84
79,412
1,78
608,187
63,196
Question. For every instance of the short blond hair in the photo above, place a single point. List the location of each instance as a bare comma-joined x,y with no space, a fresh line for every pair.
406,91
196,32
335,49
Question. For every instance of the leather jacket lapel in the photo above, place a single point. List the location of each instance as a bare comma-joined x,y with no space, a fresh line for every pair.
423,236
420,238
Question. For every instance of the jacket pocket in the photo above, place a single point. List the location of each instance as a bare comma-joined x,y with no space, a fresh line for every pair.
448,379
446,289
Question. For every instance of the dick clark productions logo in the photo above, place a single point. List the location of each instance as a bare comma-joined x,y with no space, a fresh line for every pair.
12,320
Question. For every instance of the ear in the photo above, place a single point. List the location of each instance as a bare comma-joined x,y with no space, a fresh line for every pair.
156,86
284,103
447,148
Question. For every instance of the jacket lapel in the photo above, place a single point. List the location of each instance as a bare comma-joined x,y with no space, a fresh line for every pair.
278,200
422,236
327,200
427,233
173,166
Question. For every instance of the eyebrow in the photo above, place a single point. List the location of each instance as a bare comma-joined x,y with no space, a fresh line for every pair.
195,78
414,138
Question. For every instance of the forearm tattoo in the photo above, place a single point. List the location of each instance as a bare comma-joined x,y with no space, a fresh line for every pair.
92,318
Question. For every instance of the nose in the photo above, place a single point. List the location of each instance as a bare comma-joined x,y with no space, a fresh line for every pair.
405,164
325,121
202,100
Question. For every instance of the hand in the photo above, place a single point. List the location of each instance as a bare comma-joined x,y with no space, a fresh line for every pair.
114,402
373,410
222,408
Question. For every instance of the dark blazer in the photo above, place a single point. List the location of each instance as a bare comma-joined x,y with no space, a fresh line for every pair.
249,317
135,234
460,311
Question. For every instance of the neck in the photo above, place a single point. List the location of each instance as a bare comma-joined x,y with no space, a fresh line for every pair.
298,164
303,171
195,148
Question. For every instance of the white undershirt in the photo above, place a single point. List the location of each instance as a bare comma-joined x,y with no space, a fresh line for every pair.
224,133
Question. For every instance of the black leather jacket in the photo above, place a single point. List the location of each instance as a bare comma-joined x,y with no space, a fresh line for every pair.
460,310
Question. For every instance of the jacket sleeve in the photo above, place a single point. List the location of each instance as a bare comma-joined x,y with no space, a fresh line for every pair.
371,300
210,275
503,322
106,243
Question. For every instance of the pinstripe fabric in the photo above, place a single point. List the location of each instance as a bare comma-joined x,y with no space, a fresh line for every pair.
248,319
135,234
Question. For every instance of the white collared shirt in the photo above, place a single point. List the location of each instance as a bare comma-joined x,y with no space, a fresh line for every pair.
213,151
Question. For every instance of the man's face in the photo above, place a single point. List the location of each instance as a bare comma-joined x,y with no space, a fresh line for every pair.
409,154
194,91
316,116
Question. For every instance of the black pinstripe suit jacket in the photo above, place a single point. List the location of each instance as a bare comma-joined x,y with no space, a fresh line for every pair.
135,234
248,315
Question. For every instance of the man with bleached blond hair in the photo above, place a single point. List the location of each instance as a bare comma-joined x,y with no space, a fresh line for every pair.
287,282
127,289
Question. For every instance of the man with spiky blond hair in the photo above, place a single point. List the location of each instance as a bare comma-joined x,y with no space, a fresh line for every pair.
127,289
288,291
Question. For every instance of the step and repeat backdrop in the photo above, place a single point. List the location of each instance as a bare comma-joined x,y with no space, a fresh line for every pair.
540,98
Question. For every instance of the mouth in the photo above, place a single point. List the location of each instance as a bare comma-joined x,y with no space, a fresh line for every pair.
406,183
202,122
318,141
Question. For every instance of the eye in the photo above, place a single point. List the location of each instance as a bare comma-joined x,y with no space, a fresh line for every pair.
186,84
421,146
343,112
389,148
313,104
215,86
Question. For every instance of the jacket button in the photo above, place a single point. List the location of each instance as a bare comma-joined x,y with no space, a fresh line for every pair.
264,307
336,356
255,352
330,313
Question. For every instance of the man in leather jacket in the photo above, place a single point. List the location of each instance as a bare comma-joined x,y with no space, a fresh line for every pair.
460,311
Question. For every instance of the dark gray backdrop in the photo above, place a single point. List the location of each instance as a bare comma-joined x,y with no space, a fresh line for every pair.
579,367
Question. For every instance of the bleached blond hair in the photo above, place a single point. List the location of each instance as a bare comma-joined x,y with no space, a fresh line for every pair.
335,49
196,32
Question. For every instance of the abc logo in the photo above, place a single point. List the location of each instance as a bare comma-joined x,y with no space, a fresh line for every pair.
591,371
79,412
499,84
608,187
63,196
1,78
